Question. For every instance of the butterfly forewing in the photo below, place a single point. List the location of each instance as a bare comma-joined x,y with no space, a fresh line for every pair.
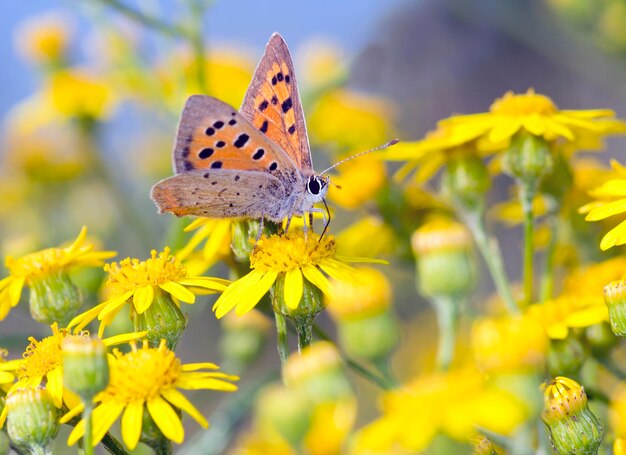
213,135
272,104
222,193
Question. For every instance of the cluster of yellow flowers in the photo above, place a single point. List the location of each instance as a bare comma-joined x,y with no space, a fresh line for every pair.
419,360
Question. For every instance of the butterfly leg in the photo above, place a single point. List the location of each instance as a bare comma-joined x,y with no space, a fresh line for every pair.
258,236
326,218
288,224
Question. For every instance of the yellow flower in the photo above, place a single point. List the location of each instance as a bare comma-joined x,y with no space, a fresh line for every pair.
535,114
42,363
216,233
6,378
45,38
34,267
610,201
357,182
295,257
487,133
350,120
581,301
75,92
368,236
149,379
143,281
455,403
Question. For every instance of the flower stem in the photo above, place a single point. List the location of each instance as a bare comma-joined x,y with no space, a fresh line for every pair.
527,194
304,329
143,19
493,257
88,436
447,312
547,280
164,447
281,332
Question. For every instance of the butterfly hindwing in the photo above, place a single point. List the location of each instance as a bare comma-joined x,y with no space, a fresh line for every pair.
221,193
272,104
213,135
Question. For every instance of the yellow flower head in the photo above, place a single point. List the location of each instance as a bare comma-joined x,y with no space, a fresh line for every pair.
77,93
610,201
357,182
42,364
295,257
45,38
368,295
43,264
143,281
563,397
216,233
509,344
149,379
486,133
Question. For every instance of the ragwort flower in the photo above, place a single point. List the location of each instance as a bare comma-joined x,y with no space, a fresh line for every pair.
294,257
149,379
45,272
142,283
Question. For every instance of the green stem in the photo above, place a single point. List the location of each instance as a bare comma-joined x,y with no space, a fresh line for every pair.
113,445
493,257
197,10
527,194
281,333
88,436
148,21
304,329
447,318
547,279
382,382
164,447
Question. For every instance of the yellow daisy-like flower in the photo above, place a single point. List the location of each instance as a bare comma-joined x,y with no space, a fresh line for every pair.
297,258
143,281
216,233
6,378
42,363
581,302
610,200
149,379
51,262
490,132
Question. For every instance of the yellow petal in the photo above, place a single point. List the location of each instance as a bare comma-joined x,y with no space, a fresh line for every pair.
534,124
15,290
293,288
235,293
80,321
131,424
256,293
104,416
217,284
504,130
75,411
143,297
317,278
166,419
616,236
55,385
607,210
123,338
205,383
113,304
181,402
180,292
198,366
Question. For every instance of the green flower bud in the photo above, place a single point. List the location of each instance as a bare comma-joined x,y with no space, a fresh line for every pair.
615,299
528,158
4,443
560,179
285,411
445,265
372,338
162,320
467,180
318,372
85,366
32,419
574,429
243,338
601,339
565,357
54,298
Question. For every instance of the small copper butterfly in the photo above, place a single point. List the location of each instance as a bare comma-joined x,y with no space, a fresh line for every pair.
255,163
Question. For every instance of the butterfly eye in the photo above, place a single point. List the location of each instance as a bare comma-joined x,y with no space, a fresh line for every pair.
314,185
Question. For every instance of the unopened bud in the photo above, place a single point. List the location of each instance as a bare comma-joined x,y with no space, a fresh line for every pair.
615,299
85,366
32,418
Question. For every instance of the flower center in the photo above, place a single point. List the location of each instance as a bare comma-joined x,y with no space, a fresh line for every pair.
37,264
142,374
291,251
130,274
520,105
43,356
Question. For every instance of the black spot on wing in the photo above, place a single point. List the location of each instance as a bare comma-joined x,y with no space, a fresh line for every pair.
273,166
287,104
216,165
263,128
232,122
263,105
205,153
217,125
241,140
258,154
292,129
279,77
287,78
274,100
210,131
220,144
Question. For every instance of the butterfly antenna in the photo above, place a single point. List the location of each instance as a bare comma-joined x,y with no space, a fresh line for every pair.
375,149
327,220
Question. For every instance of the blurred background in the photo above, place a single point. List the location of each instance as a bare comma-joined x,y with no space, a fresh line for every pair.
92,90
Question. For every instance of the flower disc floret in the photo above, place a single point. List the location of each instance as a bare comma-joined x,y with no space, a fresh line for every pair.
290,252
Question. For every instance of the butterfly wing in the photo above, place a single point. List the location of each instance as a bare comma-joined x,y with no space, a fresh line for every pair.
272,104
213,135
222,193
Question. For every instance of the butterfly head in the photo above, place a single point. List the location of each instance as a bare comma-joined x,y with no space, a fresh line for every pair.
316,187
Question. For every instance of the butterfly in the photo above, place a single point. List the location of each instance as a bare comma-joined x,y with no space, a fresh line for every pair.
255,163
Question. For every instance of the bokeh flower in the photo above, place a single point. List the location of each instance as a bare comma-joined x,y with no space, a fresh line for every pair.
141,283
149,379
44,39
45,271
